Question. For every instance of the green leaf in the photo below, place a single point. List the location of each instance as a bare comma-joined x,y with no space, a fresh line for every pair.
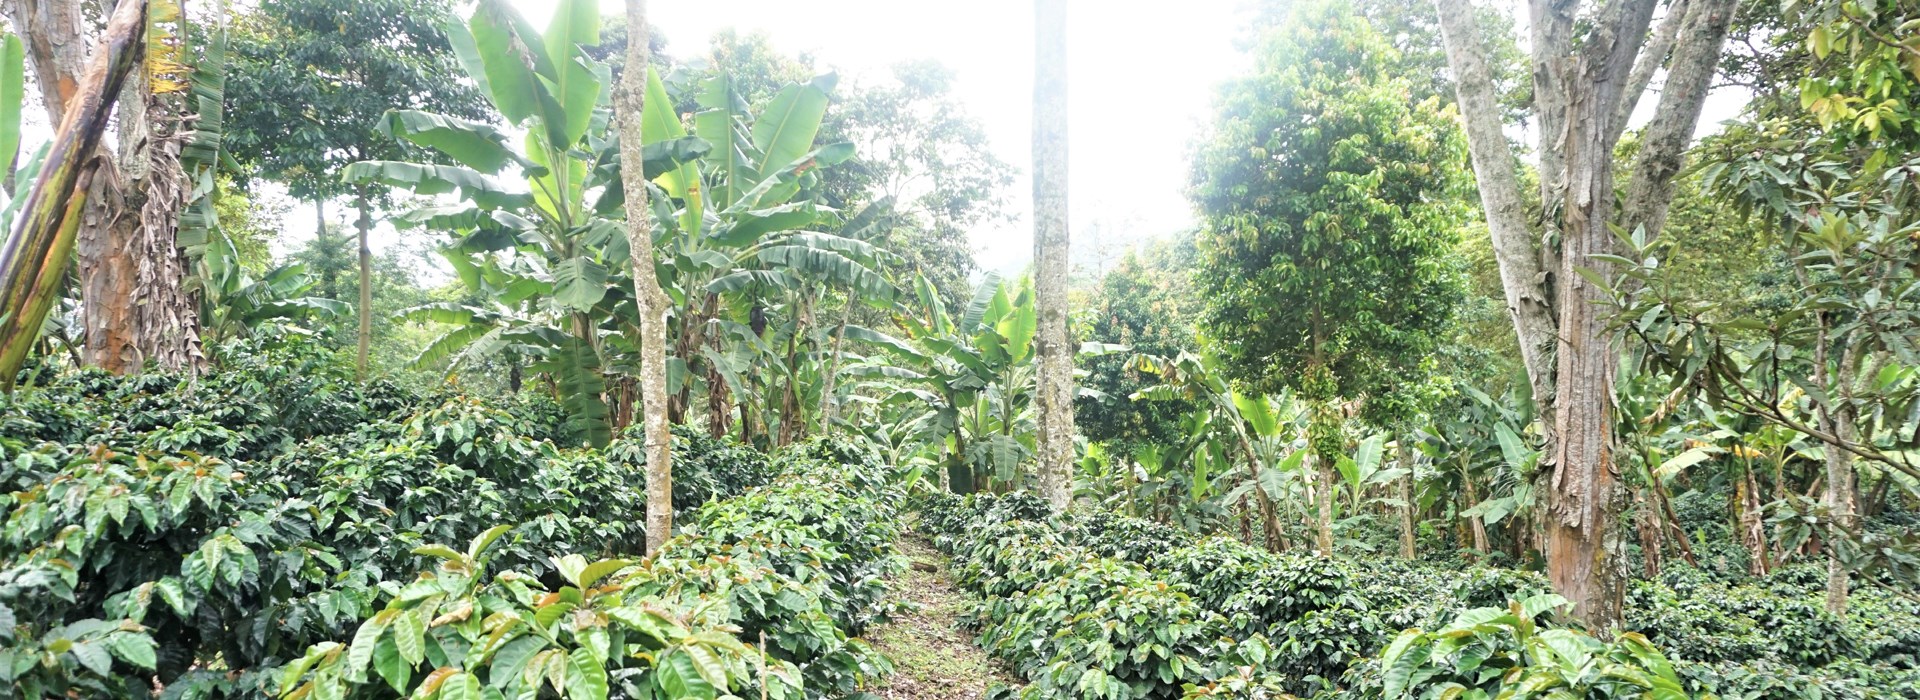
1258,413
360,653
599,570
388,662
721,124
135,648
1018,328
786,128
579,283
12,95
93,656
575,23
1680,462
586,678
476,145
507,62
485,539
410,636
512,658
438,550
679,676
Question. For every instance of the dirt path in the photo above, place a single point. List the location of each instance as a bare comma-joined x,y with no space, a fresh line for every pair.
934,659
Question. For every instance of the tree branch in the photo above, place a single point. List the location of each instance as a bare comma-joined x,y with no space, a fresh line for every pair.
1522,278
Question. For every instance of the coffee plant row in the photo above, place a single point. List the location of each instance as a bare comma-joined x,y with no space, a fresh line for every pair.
1092,604
277,528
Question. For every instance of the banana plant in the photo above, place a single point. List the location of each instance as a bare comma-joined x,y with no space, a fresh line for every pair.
963,383
534,229
735,210
233,303
1263,436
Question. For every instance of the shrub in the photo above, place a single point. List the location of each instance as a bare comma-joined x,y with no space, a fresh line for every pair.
1491,652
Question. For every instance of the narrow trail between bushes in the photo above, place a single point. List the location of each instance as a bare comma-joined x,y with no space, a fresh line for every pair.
933,657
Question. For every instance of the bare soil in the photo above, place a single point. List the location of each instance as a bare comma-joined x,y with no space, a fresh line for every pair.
933,657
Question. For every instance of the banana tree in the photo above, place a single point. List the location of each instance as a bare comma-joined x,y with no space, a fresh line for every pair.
963,383
1266,432
233,303
751,259
545,244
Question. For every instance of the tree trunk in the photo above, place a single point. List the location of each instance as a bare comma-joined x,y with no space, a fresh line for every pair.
1839,501
135,308
365,226
63,199
1054,393
1474,524
1403,488
56,43
652,302
1647,520
1580,85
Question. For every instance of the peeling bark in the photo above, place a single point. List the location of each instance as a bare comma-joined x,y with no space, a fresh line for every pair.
1584,88
1403,488
135,309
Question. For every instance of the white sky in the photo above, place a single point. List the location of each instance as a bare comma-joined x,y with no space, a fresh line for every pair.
1141,76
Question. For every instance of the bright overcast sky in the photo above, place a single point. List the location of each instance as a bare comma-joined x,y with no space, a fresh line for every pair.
1141,76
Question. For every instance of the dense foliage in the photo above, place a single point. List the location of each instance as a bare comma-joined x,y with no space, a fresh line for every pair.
1135,609
160,524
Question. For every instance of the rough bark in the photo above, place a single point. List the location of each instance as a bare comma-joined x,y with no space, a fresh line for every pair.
57,50
1475,526
1580,101
652,302
1650,62
1052,345
1664,141
364,226
34,257
1522,277
1839,500
1647,522
135,308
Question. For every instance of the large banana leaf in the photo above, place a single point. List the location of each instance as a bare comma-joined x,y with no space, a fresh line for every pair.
577,371
579,283
577,89
659,122
480,146
723,123
786,128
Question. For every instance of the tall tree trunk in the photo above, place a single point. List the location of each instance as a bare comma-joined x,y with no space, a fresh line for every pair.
1475,526
1647,520
1054,348
653,304
1581,94
138,307
365,226
1839,500
1403,489
1324,443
